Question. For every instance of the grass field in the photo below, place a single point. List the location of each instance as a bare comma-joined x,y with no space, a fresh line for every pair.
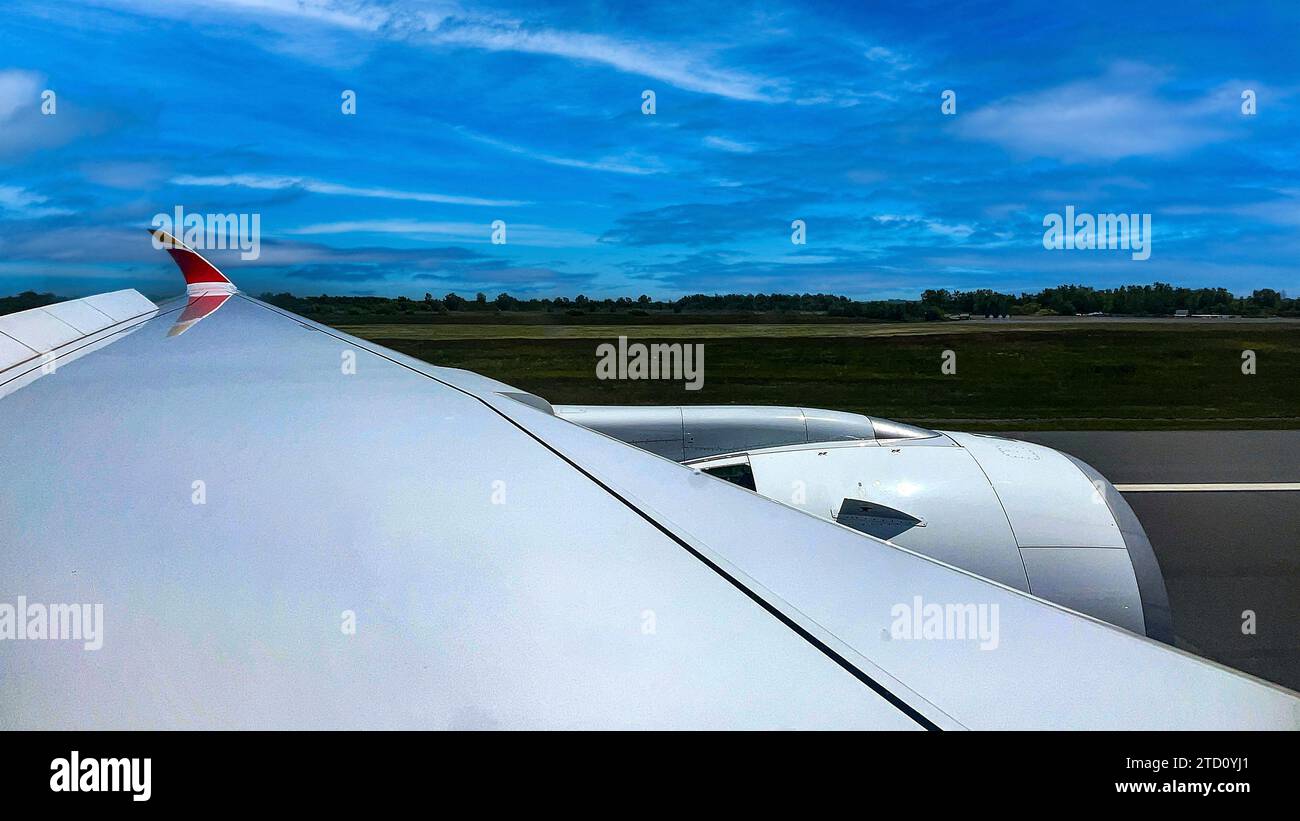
1063,375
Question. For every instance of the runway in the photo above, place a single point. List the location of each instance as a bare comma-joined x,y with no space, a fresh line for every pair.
1222,510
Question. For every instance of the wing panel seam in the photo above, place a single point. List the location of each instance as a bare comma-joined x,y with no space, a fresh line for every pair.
828,651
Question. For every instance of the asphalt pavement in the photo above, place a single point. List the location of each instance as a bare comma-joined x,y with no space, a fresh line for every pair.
1224,553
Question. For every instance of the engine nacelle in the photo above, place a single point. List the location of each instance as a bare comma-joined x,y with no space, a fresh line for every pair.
1024,515
684,432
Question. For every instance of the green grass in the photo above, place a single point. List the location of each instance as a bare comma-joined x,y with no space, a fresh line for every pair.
1049,376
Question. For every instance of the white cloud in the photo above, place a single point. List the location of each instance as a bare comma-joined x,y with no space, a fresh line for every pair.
959,231
1283,208
125,174
447,25
690,70
516,233
731,146
358,16
1107,118
880,54
626,164
23,126
24,204
269,182
18,90
394,227
350,15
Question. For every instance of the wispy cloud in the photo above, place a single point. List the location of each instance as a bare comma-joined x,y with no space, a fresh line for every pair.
959,231
125,174
356,16
24,128
729,145
617,165
685,69
448,25
18,90
880,54
1281,208
19,202
703,223
268,182
516,233
1107,118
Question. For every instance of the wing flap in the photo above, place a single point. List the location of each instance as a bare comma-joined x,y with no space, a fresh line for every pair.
12,351
46,330
120,305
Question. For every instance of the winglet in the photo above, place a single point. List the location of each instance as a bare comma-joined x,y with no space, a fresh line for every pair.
201,276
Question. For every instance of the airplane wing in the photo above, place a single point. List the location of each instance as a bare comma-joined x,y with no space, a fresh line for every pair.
288,527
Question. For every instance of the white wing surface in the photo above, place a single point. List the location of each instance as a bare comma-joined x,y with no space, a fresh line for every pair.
288,527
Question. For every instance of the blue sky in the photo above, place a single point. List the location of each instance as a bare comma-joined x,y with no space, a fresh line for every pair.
765,113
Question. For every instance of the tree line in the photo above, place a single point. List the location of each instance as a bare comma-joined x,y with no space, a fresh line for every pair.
1158,299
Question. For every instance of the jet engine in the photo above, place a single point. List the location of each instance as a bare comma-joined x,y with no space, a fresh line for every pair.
1024,515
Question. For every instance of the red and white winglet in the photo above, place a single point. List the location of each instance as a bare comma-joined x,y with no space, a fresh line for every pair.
201,277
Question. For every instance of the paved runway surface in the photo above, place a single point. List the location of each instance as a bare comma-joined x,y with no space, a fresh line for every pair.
1222,552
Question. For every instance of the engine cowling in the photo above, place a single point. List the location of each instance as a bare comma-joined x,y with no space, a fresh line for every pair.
1024,515
685,432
